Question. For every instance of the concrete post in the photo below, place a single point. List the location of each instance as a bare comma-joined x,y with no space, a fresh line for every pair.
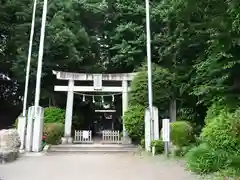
148,132
155,124
29,136
68,116
38,130
21,127
151,127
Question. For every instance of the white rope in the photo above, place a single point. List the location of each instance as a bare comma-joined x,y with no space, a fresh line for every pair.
97,95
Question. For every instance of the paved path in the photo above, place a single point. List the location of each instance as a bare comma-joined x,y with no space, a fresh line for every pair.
93,167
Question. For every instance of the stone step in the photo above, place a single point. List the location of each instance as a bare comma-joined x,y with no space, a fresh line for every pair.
88,148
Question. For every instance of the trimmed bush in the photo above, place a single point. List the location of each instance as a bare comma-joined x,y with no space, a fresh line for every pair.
134,122
223,132
203,159
163,88
54,115
53,132
181,133
159,146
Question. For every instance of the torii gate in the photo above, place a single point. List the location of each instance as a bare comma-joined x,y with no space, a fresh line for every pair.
96,87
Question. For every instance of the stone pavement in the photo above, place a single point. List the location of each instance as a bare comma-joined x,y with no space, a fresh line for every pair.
73,166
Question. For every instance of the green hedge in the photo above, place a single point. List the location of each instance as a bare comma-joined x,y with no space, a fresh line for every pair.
51,115
163,88
54,115
223,132
134,122
53,132
181,133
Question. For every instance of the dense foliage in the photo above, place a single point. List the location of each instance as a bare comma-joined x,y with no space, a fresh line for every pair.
134,122
163,88
181,133
203,159
53,132
219,148
223,132
159,146
196,41
54,115
219,107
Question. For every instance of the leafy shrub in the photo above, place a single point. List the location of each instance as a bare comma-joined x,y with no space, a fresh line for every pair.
53,132
203,159
54,115
163,88
181,133
159,146
220,107
214,110
235,162
134,122
223,132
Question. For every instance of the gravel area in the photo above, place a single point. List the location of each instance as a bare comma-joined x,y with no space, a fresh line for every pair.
76,166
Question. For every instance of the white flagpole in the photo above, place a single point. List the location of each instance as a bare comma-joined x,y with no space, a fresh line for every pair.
149,64
29,59
40,58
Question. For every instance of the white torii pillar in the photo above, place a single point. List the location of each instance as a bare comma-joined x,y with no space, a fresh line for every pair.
67,139
126,139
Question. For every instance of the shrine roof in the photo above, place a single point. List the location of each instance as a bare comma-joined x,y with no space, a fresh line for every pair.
90,77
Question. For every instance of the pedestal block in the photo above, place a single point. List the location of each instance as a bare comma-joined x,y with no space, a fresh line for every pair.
38,130
21,127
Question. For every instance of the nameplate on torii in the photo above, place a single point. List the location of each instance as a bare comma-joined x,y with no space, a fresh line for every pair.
97,81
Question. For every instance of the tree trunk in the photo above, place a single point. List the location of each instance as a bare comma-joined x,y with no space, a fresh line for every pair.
173,110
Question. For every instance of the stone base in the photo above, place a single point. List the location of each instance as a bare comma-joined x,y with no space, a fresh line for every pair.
70,140
67,140
126,140
8,156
